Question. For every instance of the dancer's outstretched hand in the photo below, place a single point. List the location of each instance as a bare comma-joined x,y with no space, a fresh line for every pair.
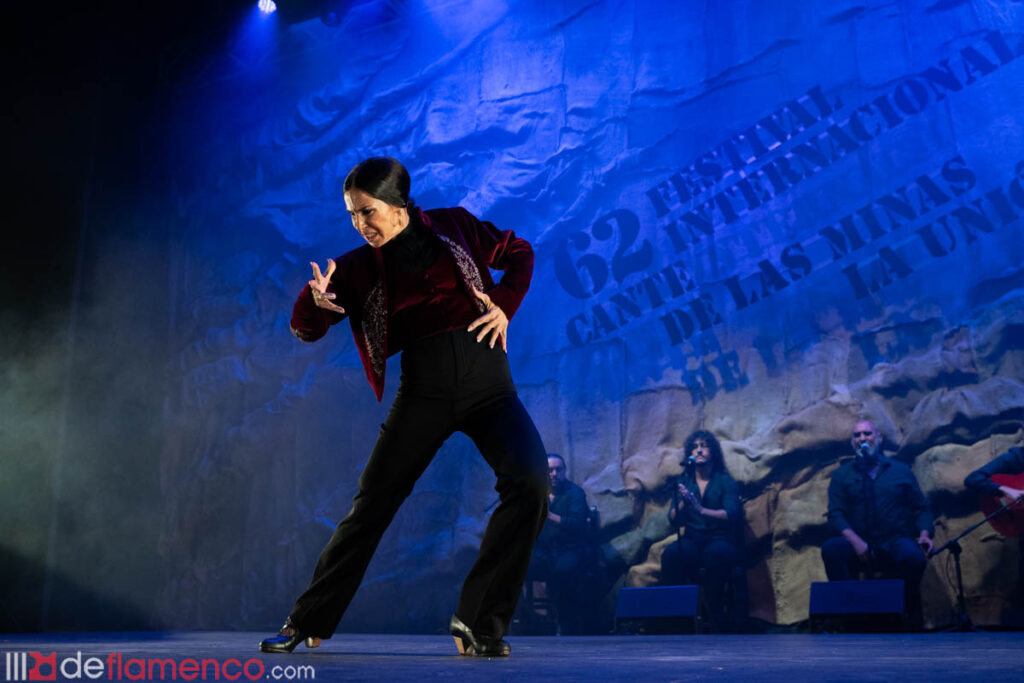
318,286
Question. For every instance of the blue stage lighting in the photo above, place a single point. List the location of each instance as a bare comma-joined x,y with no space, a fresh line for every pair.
331,13
267,6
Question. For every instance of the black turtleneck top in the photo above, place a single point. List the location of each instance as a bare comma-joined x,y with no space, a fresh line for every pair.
425,294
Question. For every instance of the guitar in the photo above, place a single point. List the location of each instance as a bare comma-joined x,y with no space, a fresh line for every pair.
1011,521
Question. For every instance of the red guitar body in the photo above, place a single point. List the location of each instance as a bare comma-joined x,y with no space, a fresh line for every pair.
1010,522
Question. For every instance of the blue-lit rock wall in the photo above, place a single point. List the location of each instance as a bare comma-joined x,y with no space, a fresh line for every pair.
759,218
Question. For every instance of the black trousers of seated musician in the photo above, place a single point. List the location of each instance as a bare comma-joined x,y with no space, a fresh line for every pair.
449,383
683,559
900,558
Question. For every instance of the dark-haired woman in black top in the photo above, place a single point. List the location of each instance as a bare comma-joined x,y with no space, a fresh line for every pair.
422,286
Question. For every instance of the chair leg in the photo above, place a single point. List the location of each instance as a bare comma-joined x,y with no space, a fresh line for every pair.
539,613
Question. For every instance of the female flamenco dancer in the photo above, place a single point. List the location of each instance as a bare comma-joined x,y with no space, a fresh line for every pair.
422,285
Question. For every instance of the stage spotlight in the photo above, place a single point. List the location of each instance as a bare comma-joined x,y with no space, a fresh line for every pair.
331,12
267,6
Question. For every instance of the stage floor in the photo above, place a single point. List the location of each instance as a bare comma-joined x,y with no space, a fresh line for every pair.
361,657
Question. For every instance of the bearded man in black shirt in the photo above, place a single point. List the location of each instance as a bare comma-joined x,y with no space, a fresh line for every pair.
876,507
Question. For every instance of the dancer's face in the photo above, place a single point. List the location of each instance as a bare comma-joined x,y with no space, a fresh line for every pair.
377,221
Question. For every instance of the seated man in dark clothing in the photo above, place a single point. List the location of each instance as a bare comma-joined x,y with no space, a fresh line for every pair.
562,554
876,506
980,480
706,505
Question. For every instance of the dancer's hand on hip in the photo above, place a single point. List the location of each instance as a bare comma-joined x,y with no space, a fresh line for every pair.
492,323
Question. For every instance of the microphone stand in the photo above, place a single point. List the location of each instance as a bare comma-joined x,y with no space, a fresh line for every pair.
688,465
963,620
675,509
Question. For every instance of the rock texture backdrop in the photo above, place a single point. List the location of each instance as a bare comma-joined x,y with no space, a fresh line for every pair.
760,218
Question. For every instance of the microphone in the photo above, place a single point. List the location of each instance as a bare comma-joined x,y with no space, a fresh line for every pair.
865,450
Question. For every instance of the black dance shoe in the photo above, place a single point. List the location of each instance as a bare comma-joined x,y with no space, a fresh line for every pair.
478,646
287,639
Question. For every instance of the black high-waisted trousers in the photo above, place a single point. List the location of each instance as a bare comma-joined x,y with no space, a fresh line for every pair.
450,383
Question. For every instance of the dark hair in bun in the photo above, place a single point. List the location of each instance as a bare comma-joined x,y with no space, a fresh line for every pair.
382,178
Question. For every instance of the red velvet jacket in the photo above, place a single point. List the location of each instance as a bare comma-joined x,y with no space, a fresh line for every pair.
361,289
